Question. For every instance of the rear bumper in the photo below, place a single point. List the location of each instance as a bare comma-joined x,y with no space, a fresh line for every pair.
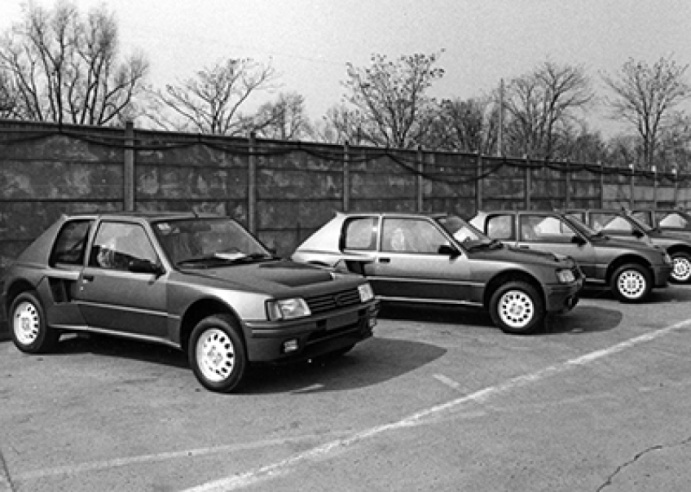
314,336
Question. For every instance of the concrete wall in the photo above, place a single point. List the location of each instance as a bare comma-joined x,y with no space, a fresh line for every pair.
281,190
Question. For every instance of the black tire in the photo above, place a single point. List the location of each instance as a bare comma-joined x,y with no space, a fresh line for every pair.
216,353
682,268
517,307
631,283
28,327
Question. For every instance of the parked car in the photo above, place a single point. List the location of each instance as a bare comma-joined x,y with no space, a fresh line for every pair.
621,224
441,259
630,270
202,284
672,220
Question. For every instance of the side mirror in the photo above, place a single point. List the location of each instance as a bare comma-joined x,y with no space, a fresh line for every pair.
637,233
447,250
144,266
576,239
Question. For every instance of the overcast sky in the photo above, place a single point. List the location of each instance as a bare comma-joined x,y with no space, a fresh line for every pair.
309,42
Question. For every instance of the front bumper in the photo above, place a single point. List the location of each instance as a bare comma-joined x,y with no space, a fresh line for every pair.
314,336
661,274
562,298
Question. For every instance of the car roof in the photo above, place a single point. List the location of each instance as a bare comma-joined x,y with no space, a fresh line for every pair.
148,216
432,215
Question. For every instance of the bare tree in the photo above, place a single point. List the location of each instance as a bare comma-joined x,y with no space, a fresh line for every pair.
645,96
465,126
64,68
541,104
210,103
391,98
283,119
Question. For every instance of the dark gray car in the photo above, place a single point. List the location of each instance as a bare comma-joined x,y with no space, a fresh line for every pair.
202,284
629,269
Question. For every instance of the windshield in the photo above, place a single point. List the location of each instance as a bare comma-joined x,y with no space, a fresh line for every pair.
580,226
645,227
207,239
462,231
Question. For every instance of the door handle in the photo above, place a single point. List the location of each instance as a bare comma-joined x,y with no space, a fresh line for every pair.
88,278
523,246
384,260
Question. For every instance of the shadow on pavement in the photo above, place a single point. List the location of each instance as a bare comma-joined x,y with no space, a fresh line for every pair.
371,362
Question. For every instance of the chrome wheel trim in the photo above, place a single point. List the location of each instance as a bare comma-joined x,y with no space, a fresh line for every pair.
631,284
26,323
215,355
682,269
516,309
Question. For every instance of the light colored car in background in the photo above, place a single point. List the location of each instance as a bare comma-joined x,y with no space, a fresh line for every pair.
441,259
202,284
629,269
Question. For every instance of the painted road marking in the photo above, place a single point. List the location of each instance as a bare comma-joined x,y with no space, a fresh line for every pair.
448,382
285,466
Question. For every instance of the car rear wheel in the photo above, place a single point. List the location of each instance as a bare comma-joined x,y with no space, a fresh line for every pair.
631,283
517,307
681,274
217,353
29,330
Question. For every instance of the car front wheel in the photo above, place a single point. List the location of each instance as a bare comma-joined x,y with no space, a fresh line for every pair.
217,354
631,283
517,307
681,274
30,332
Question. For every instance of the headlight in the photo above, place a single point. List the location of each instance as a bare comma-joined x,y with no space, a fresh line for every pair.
287,309
565,276
666,259
366,292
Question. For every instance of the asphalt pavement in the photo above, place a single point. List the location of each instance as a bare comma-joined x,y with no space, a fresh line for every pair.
439,399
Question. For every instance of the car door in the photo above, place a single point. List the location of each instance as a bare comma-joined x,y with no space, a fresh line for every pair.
114,298
408,264
553,234
65,266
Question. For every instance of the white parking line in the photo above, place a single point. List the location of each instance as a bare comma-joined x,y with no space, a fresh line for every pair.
285,466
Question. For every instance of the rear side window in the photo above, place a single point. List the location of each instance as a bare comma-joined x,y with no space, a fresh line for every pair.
71,243
500,227
361,234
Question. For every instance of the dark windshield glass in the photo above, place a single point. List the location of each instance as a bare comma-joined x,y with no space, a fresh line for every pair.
213,238
461,230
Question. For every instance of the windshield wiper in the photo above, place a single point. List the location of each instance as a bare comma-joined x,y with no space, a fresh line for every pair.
221,258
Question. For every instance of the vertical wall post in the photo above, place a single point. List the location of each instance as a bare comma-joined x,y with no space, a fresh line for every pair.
346,177
478,182
527,183
567,185
419,181
252,186
128,184
602,184
632,186
675,172
654,186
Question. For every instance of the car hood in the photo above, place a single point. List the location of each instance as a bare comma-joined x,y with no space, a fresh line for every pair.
519,255
613,242
265,276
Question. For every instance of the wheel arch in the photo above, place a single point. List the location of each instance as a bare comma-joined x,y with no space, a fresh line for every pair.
201,309
14,289
679,248
626,259
508,276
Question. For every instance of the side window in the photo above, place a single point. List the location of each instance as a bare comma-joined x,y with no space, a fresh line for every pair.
70,243
118,243
545,229
500,227
411,236
644,217
361,234
672,219
610,222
